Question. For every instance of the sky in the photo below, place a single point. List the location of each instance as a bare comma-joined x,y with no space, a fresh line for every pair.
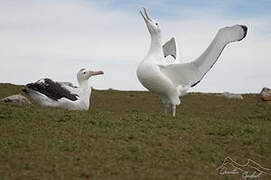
56,38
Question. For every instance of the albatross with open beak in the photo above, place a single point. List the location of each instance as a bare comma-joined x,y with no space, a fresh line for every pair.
172,80
47,92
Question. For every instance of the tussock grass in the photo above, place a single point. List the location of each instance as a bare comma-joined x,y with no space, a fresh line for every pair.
125,135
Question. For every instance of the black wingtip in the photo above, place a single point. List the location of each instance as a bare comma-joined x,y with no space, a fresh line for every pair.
195,84
245,31
171,55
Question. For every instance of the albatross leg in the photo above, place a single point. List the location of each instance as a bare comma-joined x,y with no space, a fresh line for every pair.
166,108
173,110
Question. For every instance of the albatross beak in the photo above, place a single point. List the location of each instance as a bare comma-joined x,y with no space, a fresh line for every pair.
146,14
94,73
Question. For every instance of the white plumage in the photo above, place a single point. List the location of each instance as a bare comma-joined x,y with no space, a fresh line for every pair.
172,80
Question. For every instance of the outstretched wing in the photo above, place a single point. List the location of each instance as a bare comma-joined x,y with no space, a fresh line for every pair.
185,74
170,48
190,74
52,89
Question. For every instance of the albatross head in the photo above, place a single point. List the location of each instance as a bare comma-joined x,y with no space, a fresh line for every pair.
233,33
84,74
153,26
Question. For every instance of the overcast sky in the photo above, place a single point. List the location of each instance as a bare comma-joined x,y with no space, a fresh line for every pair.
56,38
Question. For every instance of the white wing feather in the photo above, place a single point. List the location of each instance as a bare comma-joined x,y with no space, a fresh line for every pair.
186,74
170,48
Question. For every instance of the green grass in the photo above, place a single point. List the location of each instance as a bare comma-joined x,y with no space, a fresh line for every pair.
125,135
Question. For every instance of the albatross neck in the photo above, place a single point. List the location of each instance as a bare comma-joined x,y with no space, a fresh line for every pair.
84,93
156,44
83,84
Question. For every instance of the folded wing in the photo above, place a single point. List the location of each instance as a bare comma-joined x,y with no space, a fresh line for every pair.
52,89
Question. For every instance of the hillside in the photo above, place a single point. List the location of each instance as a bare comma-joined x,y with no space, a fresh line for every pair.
125,135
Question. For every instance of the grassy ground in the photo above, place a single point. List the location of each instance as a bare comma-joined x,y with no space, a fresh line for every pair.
125,135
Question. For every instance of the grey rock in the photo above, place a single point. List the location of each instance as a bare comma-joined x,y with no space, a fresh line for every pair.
265,94
17,99
232,95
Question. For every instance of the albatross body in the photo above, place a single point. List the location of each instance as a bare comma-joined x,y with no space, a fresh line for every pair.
172,80
47,92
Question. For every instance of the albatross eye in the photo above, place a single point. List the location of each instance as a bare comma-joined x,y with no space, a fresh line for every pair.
84,72
156,24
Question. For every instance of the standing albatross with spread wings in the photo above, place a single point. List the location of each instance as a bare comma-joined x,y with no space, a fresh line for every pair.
47,92
172,80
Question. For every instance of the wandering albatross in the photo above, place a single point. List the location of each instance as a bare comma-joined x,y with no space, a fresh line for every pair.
172,80
47,92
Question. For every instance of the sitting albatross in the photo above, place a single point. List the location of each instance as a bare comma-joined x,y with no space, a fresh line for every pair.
172,80
47,92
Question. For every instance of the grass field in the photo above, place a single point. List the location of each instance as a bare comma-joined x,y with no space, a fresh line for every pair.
125,135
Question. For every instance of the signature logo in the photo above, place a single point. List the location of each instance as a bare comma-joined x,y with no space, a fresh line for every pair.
249,170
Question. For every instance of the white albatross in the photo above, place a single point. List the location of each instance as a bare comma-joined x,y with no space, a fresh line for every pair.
47,92
172,80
